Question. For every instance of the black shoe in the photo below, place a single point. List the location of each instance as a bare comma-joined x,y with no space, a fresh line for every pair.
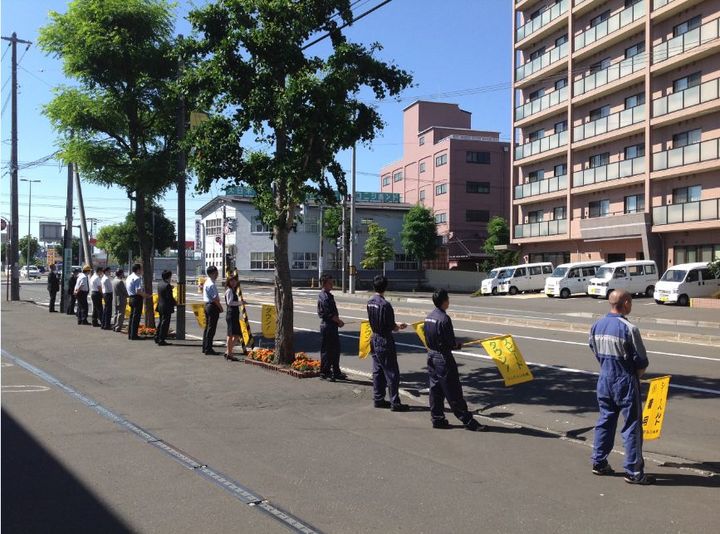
340,376
53,311
474,426
212,353
96,325
441,424
382,404
135,338
640,480
399,408
602,469
162,343
324,376
84,323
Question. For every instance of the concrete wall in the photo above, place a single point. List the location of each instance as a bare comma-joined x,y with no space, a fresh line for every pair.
454,280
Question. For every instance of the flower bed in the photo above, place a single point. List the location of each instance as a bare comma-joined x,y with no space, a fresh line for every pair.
302,367
146,331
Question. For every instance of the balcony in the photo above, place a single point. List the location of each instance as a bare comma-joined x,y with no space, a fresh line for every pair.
611,171
539,63
540,104
692,96
615,121
616,22
686,42
686,155
702,210
541,187
613,226
541,145
540,229
613,72
545,18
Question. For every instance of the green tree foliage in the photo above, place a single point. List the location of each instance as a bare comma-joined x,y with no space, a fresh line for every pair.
378,248
279,114
499,234
419,233
332,223
121,106
23,247
714,268
118,239
75,247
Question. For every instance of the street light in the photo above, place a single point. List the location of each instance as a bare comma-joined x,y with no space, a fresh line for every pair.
30,182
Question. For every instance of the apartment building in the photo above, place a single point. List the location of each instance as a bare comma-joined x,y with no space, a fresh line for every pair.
460,173
616,145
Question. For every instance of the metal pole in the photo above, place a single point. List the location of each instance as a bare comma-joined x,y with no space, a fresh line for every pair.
353,271
182,179
67,240
224,222
322,247
83,220
344,245
27,264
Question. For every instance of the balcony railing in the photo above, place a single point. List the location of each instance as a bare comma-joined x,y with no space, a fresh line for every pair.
541,228
545,18
617,120
692,96
687,41
549,185
542,103
611,171
539,63
702,210
686,155
610,74
541,145
657,4
611,25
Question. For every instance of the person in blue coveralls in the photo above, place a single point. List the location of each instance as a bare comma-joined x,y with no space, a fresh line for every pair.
386,373
617,345
444,376
329,336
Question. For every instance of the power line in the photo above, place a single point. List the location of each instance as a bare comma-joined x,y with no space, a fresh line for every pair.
35,76
344,25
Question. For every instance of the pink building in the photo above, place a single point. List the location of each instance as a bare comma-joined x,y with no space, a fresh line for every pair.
462,174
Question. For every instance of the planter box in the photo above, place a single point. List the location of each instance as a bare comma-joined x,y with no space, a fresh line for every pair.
281,369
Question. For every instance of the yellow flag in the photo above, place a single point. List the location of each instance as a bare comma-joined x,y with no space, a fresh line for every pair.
127,311
199,311
245,334
155,301
365,333
654,411
269,321
419,328
509,360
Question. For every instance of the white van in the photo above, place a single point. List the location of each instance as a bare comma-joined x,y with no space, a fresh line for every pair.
489,285
633,276
525,277
570,278
685,281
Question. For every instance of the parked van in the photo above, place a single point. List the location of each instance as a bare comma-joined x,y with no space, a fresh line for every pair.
489,285
685,281
570,278
633,276
525,277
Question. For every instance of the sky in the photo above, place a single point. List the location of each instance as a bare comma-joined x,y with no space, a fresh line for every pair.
458,51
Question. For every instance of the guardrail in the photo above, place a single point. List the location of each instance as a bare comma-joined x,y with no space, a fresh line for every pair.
539,63
544,102
687,41
610,74
611,171
545,18
541,145
692,96
548,185
611,25
702,210
540,229
614,121
685,155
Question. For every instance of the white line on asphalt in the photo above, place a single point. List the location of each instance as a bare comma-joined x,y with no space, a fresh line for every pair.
24,388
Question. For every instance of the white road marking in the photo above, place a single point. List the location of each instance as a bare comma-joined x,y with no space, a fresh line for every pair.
24,388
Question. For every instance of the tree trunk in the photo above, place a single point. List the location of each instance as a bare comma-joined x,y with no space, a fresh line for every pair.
284,347
146,258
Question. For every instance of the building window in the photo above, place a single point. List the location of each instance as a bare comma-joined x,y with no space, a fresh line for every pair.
693,253
556,258
403,262
386,180
477,215
691,80
537,134
397,176
421,167
635,204
560,170
310,225
635,151
536,216
687,26
599,113
422,195
687,138
478,157
441,218
635,49
687,194
561,40
262,261
602,17
213,227
536,176
560,126
440,160
600,65
598,160
304,261
440,189
559,213
559,84
536,94
258,227
477,187
635,100
421,140
629,3
537,53
599,208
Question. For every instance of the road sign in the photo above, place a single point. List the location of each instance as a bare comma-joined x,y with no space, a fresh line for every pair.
198,234
654,411
3,224
218,239
50,231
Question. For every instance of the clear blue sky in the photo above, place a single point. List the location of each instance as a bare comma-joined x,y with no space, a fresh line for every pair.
461,47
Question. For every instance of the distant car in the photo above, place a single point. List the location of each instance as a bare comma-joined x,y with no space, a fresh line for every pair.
30,272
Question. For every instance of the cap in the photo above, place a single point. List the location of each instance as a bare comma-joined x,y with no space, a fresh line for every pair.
87,268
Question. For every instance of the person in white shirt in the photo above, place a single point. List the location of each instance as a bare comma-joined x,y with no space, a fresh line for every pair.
136,295
107,295
119,299
213,309
96,296
82,288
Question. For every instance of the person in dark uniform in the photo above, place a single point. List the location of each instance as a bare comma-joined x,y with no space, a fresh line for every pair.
386,373
232,317
165,307
82,288
444,376
330,339
136,296
213,309
96,296
70,310
53,286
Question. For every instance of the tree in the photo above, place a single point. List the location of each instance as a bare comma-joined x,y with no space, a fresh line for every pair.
117,122
499,234
75,247
332,223
419,234
378,248
278,115
23,246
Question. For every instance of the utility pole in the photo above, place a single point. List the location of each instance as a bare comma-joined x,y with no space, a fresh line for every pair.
182,179
322,245
30,182
67,239
344,244
13,245
353,268
83,220
224,222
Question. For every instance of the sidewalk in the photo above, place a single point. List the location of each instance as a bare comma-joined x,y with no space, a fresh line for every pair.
320,451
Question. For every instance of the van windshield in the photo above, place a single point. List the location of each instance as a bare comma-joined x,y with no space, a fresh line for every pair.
494,273
560,271
506,273
674,275
604,272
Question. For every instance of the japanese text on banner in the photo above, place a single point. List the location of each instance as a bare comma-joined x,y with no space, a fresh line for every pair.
269,321
508,358
365,333
654,411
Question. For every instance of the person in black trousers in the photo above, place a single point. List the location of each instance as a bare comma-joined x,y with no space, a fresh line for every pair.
70,310
136,296
329,336
96,296
213,309
82,288
107,299
53,286
165,307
